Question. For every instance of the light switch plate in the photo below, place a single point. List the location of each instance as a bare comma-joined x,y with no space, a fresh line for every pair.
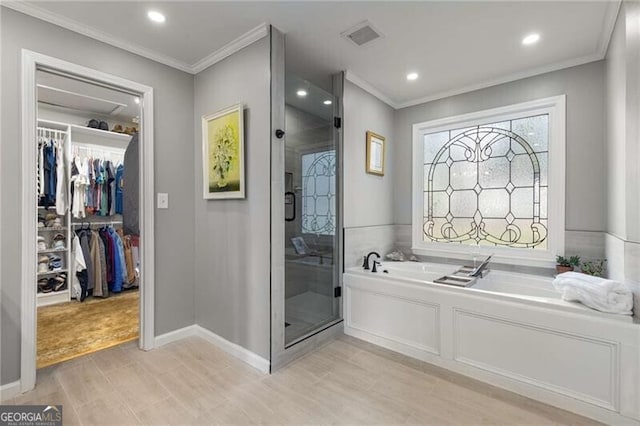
163,200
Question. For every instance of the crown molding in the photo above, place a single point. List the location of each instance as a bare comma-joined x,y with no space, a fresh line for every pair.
611,15
368,87
229,49
502,80
77,27
262,30
609,22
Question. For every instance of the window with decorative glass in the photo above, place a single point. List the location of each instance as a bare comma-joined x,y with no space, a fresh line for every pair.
318,193
491,181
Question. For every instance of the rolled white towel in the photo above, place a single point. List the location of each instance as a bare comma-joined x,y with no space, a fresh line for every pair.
598,293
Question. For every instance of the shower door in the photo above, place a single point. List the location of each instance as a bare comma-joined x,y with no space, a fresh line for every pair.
312,226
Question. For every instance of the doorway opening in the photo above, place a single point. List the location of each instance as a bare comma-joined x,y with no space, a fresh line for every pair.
88,238
87,252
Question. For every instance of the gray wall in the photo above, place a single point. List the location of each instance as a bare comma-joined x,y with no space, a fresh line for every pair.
623,149
585,171
368,199
174,153
232,238
616,83
623,117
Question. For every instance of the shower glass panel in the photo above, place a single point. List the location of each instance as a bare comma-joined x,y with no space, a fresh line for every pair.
311,205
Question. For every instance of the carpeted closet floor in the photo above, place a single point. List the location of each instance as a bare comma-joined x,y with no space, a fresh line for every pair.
72,329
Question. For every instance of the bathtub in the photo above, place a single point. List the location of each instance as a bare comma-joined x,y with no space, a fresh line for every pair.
508,329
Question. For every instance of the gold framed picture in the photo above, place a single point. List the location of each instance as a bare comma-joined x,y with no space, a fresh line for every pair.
223,154
375,154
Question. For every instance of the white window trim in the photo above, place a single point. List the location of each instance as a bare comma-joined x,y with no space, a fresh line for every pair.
556,108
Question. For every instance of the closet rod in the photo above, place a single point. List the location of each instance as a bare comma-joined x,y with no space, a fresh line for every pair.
46,129
114,222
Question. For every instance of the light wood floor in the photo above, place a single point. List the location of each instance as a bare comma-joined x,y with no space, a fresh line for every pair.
344,382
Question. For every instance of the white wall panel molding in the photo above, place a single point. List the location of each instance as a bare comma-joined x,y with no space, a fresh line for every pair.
575,359
520,351
408,322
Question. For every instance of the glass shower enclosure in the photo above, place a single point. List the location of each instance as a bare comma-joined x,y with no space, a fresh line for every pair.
311,210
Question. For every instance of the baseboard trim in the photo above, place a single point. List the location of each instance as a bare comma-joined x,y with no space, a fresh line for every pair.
243,354
235,350
9,390
175,335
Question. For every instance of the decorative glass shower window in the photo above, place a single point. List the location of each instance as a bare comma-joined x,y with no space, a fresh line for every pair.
319,193
487,185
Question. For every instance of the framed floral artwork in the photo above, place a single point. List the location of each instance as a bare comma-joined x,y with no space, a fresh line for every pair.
223,154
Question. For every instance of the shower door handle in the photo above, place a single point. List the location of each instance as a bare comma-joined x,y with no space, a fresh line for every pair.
293,199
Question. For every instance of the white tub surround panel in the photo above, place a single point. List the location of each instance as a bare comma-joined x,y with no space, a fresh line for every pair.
512,331
623,264
414,324
362,240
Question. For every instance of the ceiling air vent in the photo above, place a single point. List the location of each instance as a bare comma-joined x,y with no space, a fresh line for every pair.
362,34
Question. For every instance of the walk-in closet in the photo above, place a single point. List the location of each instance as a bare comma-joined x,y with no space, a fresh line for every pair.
88,238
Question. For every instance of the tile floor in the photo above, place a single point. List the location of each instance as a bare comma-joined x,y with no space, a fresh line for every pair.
305,312
345,382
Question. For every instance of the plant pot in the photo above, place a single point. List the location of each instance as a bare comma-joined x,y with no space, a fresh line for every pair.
561,269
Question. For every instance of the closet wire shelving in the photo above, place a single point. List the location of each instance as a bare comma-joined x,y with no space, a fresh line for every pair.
89,140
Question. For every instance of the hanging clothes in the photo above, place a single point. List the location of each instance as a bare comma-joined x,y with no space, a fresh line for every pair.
41,143
84,236
61,180
96,260
128,257
78,270
79,182
111,183
119,266
119,187
48,198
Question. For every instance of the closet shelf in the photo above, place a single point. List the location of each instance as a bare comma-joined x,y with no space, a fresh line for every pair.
52,293
52,251
90,131
63,228
60,271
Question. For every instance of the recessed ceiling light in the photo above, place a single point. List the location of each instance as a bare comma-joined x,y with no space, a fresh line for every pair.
301,93
531,39
412,76
156,16
136,100
327,102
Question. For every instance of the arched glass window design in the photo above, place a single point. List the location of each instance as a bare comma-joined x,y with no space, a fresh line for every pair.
487,184
318,193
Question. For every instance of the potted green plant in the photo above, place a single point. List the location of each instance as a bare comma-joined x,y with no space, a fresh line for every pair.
594,267
564,264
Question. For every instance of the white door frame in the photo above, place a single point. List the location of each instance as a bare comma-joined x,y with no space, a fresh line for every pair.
31,61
